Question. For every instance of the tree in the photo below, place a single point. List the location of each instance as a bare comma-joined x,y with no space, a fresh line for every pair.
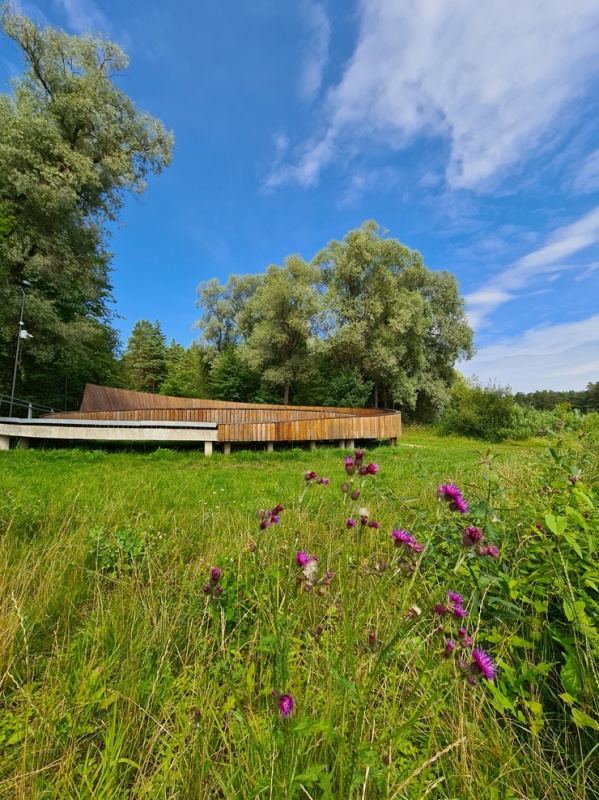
282,313
144,365
225,319
401,325
73,146
186,371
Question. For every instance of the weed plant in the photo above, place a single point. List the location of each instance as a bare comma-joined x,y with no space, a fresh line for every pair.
280,625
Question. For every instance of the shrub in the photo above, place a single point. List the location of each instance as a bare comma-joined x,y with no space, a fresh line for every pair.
481,412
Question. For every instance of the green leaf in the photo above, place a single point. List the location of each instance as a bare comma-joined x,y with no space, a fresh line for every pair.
583,720
555,524
570,676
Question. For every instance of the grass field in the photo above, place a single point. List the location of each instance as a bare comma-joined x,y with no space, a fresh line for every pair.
129,670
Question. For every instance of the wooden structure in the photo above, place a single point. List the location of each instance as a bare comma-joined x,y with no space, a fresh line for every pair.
107,413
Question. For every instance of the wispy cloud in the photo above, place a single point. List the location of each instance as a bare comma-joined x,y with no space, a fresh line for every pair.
316,50
559,357
488,77
549,259
84,16
587,178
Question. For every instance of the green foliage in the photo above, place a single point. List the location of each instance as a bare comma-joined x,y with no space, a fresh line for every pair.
231,379
365,307
144,363
117,552
73,146
481,412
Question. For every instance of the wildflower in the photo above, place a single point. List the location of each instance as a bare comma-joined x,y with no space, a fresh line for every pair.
278,509
372,469
264,524
373,524
406,540
215,574
310,476
456,598
364,519
286,705
459,612
302,558
490,550
213,587
252,547
450,646
451,493
350,467
381,567
471,535
573,479
372,643
345,487
351,523
440,609
262,513
363,512
359,454
482,664
355,494
413,612
363,471
323,481
275,519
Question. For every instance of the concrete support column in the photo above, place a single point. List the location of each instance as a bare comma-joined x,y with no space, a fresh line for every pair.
227,448
207,449
4,442
342,444
350,444
393,441
312,445
270,446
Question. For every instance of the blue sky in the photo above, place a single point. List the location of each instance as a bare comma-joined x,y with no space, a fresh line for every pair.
467,129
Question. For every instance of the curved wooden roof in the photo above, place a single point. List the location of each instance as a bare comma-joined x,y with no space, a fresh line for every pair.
240,422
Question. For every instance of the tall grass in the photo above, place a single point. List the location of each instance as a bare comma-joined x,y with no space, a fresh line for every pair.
123,676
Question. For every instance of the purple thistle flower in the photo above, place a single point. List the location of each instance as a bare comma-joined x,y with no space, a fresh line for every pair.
364,519
351,523
359,453
492,551
275,519
456,598
404,539
286,705
264,524
458,612
302,558
310,476
215,574
350,467
372,469
373,524
440,609
363,471
278,509
451,493
355,494
323,481
482,664
450,646
471,536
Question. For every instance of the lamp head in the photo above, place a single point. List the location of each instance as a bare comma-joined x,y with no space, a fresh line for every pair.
25,284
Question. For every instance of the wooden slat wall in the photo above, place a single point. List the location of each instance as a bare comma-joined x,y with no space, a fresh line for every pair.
240,422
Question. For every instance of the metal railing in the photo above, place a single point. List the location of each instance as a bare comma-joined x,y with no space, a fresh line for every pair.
22,409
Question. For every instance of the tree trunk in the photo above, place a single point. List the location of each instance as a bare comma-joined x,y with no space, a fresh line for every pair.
376,396
286,395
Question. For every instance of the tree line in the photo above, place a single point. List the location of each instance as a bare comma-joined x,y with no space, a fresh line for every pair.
364,323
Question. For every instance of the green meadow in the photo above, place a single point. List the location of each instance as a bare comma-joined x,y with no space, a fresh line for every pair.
129,669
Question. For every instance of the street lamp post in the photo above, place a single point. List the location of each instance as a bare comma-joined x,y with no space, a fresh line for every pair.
23,284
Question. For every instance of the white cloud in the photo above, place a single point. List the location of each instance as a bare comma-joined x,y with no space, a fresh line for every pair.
83,16
491,77
317,50
558,357
547,260
587,179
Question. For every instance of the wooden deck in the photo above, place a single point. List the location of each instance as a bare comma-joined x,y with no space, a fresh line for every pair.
103,409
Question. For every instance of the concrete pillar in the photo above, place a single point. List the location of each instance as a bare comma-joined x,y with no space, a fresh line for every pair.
4,442
393,441
342,444
270,446
207,448
23,443
227,448
350,444
312,445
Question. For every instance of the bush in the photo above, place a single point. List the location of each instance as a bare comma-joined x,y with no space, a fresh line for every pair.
481,412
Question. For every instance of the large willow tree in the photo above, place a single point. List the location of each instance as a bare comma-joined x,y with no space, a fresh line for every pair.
72,147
